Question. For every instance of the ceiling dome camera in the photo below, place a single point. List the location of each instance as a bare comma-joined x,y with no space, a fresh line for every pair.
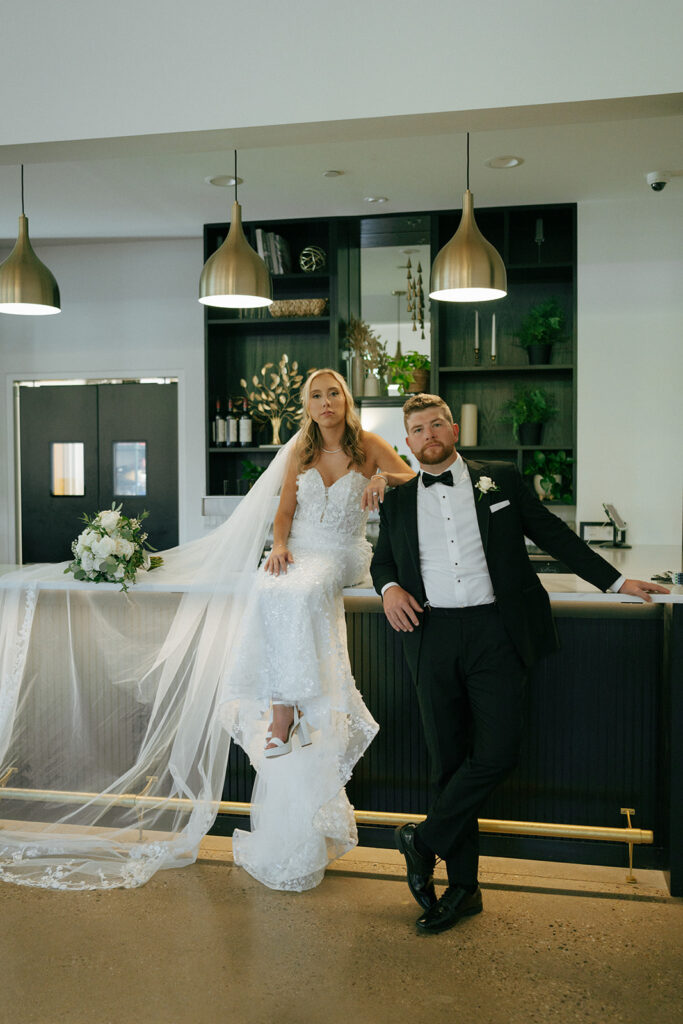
657,180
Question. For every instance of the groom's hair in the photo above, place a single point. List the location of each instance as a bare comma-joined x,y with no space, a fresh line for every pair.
416,403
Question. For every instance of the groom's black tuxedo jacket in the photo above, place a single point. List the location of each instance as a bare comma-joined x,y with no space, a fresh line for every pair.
523,602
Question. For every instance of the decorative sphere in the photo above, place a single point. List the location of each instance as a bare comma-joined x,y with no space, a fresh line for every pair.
312,258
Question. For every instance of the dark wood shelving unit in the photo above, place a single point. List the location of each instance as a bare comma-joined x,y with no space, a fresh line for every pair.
237,346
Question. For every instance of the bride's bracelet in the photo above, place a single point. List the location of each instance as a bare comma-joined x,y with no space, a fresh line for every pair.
380,473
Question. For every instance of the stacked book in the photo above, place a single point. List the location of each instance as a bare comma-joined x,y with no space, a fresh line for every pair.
274,251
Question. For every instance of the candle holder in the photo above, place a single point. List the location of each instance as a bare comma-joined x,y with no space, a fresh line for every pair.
477,357
493,357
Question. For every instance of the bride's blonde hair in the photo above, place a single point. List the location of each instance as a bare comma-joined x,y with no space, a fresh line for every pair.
310,443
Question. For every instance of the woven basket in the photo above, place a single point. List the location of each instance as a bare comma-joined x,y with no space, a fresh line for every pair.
298,307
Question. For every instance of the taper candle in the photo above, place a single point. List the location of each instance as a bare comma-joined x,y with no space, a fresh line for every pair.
493,336
476,330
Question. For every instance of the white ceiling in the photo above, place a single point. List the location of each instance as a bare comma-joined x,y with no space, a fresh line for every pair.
154,187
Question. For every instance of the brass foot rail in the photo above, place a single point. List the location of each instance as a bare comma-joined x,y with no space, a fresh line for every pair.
628,835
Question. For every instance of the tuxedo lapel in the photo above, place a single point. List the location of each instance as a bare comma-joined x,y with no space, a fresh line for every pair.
408,498
481,501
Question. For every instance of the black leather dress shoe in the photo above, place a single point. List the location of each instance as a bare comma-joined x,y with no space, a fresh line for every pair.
455,903
420,869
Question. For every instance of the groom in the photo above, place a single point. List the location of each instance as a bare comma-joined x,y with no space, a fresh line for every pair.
452,567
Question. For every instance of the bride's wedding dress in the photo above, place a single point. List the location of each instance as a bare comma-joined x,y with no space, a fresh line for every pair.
115,709
294,651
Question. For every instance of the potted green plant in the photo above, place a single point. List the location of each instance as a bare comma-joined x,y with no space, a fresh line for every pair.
551,473
542,327
250,474
410,371
528,411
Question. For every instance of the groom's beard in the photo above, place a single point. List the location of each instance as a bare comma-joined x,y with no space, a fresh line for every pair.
434,453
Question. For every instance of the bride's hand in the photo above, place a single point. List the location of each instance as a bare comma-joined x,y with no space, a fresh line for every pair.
373,494
278,560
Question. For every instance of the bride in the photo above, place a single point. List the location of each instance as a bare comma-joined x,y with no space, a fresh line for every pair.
289,698
116,710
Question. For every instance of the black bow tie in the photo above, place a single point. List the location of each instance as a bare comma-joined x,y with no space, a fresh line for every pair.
443,478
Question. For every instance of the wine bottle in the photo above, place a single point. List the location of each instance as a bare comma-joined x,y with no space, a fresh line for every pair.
219,430
246,426
232,427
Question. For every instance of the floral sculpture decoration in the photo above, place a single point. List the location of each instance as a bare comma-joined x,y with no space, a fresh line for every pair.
276,396
111,549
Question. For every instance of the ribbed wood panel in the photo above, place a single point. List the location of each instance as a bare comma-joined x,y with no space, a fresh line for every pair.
594,740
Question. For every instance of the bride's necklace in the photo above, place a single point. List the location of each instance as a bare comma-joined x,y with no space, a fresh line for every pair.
332,451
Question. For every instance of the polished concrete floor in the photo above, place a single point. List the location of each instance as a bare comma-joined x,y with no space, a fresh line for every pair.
205,944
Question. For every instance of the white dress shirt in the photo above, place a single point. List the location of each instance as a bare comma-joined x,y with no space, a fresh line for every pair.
452,560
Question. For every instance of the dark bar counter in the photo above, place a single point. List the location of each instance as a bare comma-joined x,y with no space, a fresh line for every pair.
604,731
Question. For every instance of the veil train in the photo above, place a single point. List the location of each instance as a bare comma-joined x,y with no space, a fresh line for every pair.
112,751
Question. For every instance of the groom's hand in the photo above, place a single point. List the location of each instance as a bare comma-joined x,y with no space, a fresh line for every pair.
642,589
401,609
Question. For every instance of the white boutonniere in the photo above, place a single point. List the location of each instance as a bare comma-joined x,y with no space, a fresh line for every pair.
485,484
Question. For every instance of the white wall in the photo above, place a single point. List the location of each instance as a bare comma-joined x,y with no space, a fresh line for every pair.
129,68
630,364
129,309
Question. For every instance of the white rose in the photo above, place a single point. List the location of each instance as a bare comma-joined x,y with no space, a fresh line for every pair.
109,520
124,548
119,572
485,483
103,547
87,561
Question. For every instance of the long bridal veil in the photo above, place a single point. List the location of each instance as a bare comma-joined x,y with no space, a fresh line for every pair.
112,753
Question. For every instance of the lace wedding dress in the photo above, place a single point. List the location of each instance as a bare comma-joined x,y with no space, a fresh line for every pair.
293,650
114,707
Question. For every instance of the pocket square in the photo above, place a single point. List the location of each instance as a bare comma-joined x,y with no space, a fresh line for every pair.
499,505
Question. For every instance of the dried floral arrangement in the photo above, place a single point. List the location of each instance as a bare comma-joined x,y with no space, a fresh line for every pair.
277,395
364,342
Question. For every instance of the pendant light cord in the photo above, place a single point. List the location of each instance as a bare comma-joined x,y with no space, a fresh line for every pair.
235,175
22,190
468,161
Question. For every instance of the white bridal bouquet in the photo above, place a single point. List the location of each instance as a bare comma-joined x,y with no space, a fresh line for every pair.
111,549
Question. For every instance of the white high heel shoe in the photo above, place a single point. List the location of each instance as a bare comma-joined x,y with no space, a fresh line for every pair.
281,747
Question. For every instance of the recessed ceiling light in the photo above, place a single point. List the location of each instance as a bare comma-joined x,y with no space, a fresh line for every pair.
332,174
375,199
223,180
504,163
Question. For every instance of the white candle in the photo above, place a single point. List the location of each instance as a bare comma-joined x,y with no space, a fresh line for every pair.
476,330
493,335
468,426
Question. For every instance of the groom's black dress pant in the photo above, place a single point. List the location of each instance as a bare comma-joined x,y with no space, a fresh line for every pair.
470,685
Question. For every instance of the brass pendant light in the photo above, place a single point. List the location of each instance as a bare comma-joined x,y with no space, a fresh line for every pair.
235,276
468,268
27,287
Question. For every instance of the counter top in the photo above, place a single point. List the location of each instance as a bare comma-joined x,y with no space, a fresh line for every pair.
639,562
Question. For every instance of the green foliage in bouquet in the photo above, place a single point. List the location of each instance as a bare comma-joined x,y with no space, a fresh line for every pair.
112,548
